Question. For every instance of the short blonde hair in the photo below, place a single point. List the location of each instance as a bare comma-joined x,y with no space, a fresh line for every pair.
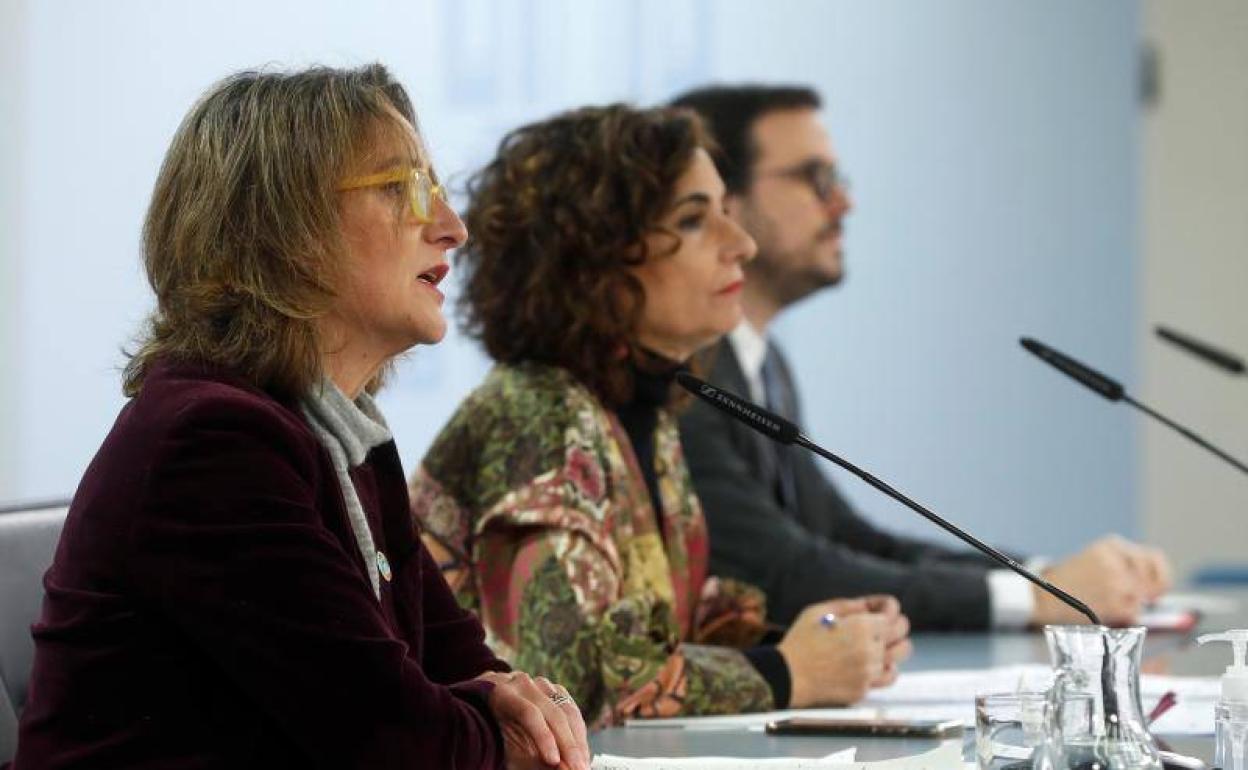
242,243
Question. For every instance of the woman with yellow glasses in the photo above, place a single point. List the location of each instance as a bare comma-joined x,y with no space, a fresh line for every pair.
416,184
238,583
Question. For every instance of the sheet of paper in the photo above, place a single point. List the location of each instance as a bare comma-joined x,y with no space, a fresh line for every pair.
837,759
1165,619
951,695
932,711
1187,688
1193,717
1186,718
962,685
755,721
1210,604
948,756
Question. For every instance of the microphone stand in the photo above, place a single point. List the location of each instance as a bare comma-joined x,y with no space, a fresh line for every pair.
781,430
1109,695
949,527
1113,391
1186,432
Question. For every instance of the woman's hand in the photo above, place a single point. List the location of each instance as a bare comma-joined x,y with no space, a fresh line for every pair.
839,663
897,644
541,724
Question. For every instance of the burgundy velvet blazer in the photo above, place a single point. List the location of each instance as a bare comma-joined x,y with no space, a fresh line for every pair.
208,606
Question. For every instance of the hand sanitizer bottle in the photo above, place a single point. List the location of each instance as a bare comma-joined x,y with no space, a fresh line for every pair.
1230,715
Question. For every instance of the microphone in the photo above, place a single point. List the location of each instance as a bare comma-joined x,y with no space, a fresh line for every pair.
1114,391
781,430
1108,388
1220,358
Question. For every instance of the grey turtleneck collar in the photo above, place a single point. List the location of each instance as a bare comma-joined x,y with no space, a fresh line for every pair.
349,430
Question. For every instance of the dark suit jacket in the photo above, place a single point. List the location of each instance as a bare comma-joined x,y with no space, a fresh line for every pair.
208,606
817,548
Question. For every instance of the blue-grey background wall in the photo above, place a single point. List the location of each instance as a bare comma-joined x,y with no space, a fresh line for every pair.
992,146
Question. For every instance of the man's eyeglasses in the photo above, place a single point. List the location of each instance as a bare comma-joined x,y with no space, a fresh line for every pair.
419,185
823,178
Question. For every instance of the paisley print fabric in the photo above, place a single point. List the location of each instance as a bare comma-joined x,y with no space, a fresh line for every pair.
533,500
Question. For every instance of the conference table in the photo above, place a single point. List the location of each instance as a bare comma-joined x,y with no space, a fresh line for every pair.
1164,652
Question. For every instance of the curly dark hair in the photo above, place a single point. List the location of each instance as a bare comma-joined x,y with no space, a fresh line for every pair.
555,221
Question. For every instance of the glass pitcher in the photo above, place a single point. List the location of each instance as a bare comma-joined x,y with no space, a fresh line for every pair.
1104,663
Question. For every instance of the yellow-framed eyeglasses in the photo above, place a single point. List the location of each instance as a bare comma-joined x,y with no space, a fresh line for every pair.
421,189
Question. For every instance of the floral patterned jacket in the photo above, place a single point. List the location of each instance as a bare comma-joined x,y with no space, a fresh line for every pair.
533,498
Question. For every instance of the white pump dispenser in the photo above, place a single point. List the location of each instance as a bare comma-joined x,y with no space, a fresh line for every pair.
1230,715
1235,680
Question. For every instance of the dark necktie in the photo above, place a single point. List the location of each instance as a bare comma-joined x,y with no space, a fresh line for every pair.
780,398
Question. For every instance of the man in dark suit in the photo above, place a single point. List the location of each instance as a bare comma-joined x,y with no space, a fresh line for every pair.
775,520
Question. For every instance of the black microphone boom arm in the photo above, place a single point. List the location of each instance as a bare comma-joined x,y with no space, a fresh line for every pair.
949,527
781,430
1113,391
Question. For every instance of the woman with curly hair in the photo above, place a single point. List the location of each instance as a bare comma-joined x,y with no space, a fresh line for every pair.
600,258
238,583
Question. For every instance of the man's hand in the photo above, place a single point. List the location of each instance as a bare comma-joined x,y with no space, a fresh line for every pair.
1154,570
1113,576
